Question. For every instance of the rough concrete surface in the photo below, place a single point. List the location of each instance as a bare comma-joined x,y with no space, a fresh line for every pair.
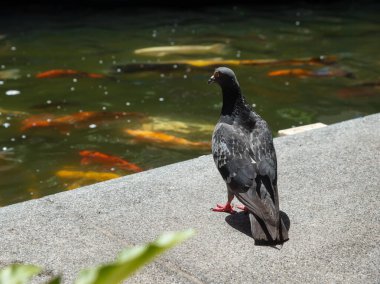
329,182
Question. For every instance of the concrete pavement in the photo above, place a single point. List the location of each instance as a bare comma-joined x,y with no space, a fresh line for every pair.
329,184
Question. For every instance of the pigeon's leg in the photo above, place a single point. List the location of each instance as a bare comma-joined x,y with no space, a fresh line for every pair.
226,207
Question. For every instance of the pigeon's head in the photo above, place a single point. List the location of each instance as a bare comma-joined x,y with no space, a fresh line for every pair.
224,76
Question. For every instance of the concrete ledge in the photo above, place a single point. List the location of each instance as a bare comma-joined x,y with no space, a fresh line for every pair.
329,187
299,129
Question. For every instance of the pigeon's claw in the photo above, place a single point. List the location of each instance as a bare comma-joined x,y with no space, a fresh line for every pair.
224,208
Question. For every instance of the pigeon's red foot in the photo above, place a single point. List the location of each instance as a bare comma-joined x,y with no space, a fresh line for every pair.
224,208
242,207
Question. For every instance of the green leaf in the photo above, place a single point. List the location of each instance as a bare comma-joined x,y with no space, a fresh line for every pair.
131,259
18,273
56,280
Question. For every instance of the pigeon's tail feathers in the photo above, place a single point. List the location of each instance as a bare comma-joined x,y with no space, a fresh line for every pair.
265,234
267,226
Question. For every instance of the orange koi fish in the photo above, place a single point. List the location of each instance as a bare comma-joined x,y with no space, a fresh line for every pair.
303,73
95,176
63,122
165,139
58,73
98,157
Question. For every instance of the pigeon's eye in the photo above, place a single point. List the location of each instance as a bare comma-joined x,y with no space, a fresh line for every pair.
216,74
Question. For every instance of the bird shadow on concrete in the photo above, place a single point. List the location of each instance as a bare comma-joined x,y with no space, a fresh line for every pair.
240,221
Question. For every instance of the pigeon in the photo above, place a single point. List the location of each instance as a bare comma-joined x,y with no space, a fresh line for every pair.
244,154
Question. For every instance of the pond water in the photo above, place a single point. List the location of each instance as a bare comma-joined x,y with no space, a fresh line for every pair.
47,122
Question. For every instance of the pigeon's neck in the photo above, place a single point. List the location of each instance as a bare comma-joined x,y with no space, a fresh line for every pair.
233,101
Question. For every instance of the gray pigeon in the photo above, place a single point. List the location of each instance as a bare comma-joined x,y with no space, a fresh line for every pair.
243,151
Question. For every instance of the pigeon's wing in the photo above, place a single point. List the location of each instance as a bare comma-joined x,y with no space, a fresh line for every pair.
233,157
265,193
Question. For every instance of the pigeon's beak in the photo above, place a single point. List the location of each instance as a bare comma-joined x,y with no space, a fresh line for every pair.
211,80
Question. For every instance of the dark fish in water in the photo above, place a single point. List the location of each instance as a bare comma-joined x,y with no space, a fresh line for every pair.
213,63
59,73
369,84
55,105
365,90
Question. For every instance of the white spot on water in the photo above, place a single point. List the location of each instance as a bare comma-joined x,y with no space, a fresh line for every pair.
127,103
287,83
23,136
13,139
100,61
1,82
12,92
72,89
2,66
48,102
13,48
298,23
118,70
104,108
161,99
162,75
6,124
185,76
75,80
92,126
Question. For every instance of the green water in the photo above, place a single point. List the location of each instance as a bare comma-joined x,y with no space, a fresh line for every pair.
97,40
